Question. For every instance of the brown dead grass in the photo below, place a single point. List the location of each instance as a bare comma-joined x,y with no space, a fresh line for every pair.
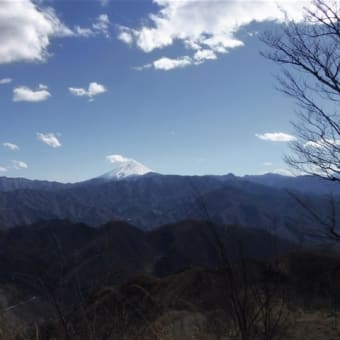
311,325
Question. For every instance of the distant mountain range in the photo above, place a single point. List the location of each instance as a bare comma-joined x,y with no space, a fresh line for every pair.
94,250
148,200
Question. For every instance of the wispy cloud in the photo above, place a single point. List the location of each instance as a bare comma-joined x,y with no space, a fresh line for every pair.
11,146
322,143
4,81
102,25
3,169
50,139
267,163
18,165
276,137
104,3
116,159
99,27
84,32
26,94
93,90
207,26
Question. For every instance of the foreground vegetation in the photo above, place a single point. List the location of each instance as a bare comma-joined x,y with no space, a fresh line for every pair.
191,280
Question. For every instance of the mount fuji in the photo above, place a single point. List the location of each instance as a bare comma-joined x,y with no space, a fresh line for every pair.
124,167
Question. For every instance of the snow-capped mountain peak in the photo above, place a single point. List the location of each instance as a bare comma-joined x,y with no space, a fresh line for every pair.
125,167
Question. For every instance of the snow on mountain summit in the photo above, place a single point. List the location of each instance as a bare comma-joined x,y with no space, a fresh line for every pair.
124,167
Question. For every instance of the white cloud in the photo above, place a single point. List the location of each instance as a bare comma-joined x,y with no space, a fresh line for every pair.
167,64
125,35
42,87
28,26
26,30
322,143
3,169
267,163
78,91
25,94
116,159
276,137
4,81
11,146
202,55
206,25
50,139
93,90
19,165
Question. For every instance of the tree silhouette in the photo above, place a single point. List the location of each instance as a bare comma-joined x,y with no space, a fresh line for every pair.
309,54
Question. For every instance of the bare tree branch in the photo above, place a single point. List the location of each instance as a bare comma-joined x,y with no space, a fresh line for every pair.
309,55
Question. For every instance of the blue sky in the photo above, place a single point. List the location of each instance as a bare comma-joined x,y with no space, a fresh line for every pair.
180,93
